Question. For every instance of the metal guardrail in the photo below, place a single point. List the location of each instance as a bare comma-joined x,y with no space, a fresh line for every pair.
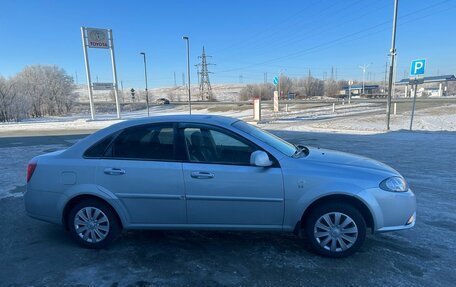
327,101
451,99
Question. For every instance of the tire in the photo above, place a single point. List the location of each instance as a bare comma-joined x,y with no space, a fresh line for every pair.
335,230
93,224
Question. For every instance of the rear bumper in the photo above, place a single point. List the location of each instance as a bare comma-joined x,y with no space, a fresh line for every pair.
43,205
391,211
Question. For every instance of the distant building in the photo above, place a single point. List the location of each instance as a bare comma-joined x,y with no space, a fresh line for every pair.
370,91
435,86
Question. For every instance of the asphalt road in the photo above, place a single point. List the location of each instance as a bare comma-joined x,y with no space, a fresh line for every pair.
33,253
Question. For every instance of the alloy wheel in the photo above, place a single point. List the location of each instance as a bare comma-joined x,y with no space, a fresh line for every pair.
335,231
91,224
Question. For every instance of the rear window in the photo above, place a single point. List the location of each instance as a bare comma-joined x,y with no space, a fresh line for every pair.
98,150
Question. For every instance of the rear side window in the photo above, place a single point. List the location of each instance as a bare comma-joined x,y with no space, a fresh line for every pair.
99,149
149,142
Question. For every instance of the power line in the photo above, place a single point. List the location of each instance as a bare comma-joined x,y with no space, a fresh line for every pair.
347,36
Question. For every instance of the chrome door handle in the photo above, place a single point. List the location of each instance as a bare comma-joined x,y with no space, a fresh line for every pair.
114,171
202,174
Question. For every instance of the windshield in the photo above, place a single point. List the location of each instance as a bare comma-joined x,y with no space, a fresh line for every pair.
268,138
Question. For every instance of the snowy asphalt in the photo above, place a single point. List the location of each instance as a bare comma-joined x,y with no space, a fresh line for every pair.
33,253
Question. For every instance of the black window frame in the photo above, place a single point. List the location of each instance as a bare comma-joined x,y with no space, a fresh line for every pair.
173,125
183,148
113,135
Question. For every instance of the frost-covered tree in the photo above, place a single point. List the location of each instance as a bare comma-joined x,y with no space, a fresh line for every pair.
35,92
48,89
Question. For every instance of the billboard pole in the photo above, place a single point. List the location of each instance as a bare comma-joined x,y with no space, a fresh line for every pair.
114,72
89,82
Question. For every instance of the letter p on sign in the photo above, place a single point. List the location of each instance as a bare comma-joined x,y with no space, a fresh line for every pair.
417,67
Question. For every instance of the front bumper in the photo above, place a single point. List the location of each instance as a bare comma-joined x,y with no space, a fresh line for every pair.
391,211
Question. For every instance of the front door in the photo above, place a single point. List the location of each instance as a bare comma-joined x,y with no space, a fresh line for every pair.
222,188
141,169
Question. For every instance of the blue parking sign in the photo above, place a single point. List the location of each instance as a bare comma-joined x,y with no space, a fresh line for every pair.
417,67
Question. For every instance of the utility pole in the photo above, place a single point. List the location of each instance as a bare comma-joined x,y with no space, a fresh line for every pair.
393,55
76,75
183,79
145,78
265,78
386,75
364,68
185,38
121,85
175,84
241,79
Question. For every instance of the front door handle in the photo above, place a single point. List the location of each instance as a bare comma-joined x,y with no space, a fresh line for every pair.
202,174
114,171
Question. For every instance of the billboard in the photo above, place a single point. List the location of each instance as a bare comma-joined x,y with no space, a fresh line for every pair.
102,86
97,38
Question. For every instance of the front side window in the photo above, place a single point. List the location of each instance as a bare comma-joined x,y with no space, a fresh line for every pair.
212,146
149,142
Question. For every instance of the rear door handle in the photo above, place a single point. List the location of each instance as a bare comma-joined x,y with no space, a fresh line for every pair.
202,174
114,171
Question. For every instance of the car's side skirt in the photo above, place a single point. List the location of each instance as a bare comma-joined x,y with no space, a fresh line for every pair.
205,227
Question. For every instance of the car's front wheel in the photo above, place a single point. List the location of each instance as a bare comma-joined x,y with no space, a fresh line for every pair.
335,229
93,224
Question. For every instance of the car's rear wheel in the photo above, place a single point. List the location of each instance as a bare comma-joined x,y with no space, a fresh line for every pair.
335,229
93,224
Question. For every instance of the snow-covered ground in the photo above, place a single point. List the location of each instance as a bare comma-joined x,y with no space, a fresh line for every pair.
354,118
221,92
368,119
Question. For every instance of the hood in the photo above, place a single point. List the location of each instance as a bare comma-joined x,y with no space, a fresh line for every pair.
347,159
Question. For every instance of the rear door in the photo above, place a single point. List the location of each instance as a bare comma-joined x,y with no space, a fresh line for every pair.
141,169
222,188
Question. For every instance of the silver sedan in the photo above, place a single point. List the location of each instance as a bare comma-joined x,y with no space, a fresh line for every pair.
214,173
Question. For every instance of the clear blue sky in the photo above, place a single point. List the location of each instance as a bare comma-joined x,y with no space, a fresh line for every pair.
245,38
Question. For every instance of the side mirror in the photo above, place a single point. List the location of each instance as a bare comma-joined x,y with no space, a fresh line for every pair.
260,158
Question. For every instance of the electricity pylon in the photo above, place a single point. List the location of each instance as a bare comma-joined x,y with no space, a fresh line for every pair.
205,88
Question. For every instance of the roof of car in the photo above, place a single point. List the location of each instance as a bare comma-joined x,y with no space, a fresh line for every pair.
205,119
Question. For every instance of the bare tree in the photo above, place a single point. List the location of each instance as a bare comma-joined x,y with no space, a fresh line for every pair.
34,92
286,85
309,87
48,88
265,91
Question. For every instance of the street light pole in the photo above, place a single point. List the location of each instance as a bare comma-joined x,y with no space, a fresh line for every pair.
145,77
391,69
188,74
364,68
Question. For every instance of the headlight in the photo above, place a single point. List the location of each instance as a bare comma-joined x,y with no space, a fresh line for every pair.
394,183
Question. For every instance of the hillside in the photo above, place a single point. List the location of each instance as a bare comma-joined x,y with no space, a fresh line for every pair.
222,92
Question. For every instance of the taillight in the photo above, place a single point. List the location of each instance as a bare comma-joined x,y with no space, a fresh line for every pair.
30,169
